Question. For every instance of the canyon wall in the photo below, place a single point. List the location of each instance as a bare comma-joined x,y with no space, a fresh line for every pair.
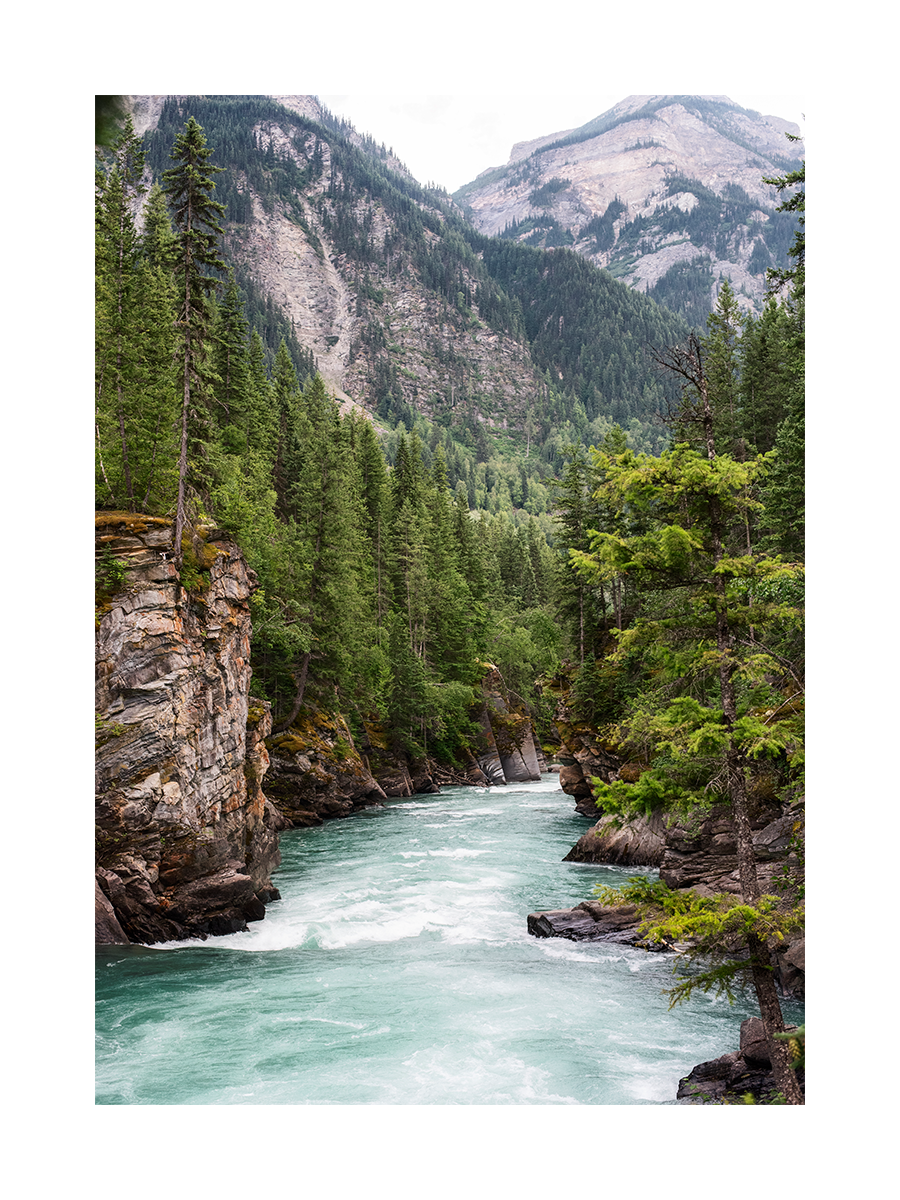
185,838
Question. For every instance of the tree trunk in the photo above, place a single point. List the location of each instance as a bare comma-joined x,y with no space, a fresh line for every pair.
186,401
298,699
763,978
760,958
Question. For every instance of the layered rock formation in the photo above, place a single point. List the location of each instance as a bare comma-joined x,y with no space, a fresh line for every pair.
583,753
316,771
508,752
186,840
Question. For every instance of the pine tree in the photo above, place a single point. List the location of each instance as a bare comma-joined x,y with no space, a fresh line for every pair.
375,496
703,731
117,251
189,186
765,376
159,244
322,505
231,366
722,353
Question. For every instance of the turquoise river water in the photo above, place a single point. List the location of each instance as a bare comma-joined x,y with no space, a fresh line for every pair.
397,969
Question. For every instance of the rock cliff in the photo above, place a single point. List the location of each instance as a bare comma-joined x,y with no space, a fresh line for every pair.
185,838
508,752
317,772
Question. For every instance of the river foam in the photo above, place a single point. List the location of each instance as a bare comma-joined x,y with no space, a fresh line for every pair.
397,969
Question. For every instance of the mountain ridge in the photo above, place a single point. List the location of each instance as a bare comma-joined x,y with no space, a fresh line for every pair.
609,188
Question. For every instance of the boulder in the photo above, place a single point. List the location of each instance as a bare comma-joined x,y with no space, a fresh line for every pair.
592,922
638,842
732,1077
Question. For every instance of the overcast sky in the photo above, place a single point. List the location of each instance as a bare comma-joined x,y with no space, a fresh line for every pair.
448,140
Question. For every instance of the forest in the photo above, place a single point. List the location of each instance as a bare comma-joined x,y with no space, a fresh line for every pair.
660,578
351,516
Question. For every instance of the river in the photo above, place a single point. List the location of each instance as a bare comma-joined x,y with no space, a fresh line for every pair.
397,969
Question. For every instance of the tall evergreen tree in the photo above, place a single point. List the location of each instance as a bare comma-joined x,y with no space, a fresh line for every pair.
117,191
704,732
189,186
231,366
722,352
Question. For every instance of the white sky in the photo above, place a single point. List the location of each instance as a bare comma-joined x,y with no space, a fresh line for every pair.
448,140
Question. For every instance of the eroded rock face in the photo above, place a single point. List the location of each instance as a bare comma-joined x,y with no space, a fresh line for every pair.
704,856
508,751
186,840
639,842
318,773
582,753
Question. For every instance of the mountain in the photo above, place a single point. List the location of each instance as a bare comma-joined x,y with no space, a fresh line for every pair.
401,304
665,192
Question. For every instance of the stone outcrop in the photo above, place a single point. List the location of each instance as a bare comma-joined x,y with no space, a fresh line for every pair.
701,855
583,753
316,771
186,839
732,1077
319,771
638,842
509,753
592,922
704,856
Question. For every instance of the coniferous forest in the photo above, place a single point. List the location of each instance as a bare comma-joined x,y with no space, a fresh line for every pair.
636,542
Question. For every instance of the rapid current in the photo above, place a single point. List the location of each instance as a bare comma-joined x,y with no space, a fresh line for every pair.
397,969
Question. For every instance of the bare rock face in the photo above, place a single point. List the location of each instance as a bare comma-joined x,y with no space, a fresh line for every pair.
583,753
508,753
186,839
638,842
704,856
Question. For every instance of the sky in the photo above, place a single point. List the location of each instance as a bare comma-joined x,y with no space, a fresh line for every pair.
449,139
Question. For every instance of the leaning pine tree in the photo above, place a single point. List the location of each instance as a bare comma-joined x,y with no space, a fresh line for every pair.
189,186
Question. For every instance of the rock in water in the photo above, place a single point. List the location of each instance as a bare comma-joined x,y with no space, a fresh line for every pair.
732,1077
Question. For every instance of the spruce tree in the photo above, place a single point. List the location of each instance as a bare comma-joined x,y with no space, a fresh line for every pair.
706,724
118,190
722,352
189,186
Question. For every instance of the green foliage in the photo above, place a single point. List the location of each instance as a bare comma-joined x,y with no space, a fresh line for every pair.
110,573
106,730
712,931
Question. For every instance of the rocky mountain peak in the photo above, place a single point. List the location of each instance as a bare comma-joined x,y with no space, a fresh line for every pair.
612,189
